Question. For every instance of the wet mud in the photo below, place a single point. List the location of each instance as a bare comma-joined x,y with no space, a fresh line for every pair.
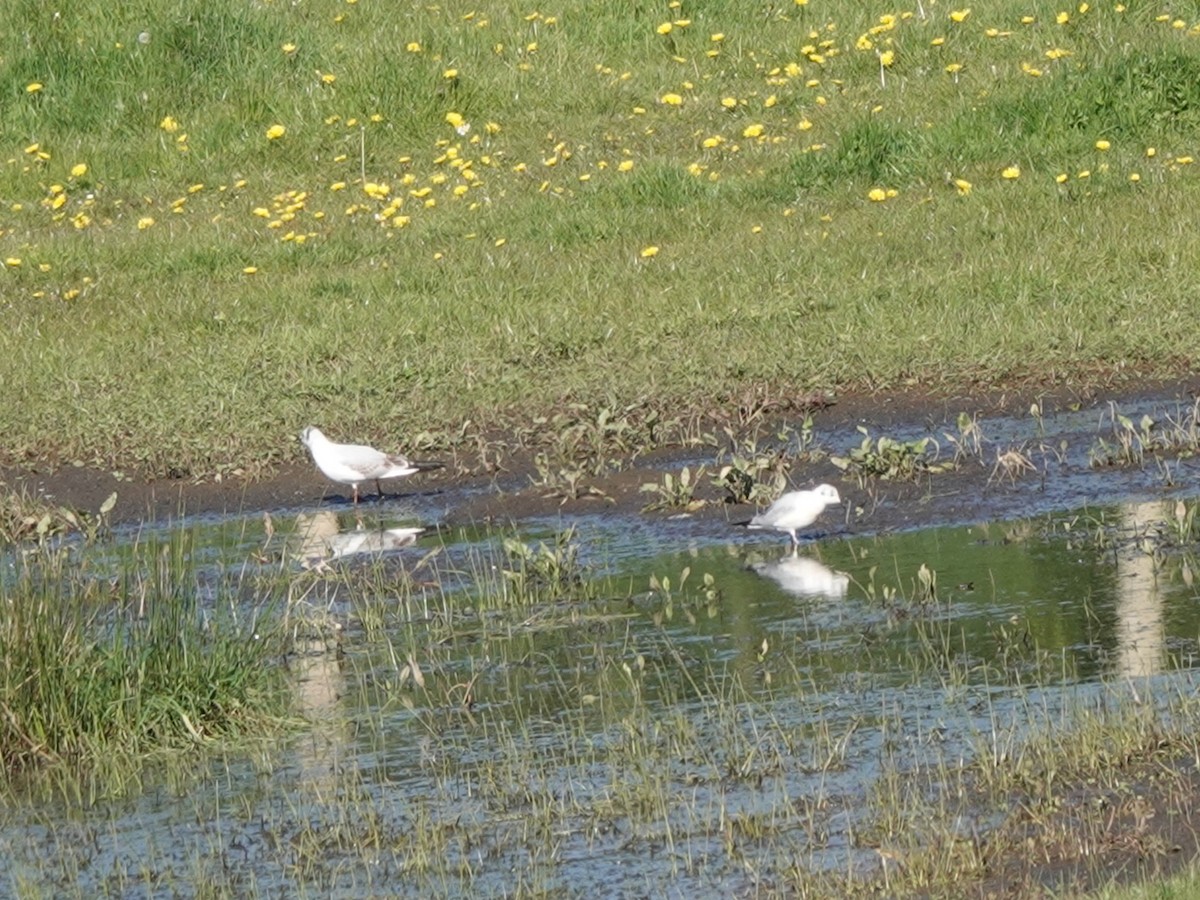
1051,456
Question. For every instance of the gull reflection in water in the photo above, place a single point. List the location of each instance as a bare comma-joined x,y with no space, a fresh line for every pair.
804,576
322,540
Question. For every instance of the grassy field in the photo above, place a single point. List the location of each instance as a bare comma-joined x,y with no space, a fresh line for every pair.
415,224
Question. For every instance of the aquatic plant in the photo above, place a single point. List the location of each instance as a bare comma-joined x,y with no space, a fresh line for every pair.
674,491
26,518
890,459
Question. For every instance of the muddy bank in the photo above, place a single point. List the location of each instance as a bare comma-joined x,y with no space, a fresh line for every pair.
1022,464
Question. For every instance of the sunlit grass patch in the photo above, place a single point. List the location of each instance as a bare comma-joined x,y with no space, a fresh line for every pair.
595,200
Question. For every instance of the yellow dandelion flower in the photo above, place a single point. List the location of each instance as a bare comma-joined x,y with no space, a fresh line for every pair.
1063,18
717,38
275,132
671,100
962,186
877,195
1151,153
887,58
13,262
289,48
412,47
1184,160
454,119
79,170
1102,145
954,68
33,87
959,15
1061,178
648,252
169,125
250,270
625,165
752,131
145,222
664,28
450,74
1135,177
1011,173
937,42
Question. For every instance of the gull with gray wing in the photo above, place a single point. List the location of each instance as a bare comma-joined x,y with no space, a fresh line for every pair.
353,464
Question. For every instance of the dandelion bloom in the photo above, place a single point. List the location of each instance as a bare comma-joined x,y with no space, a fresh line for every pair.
962,186
887,58
664,28
752,131
250,270
13,262
1061,177
275,132
959,15
1011,173
877,195
412,47
145,222
625,165
1102,145
79,170
1063,18
671,99
650,251
33,87
169,125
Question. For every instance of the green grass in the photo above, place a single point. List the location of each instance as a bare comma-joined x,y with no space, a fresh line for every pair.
99,672
524,283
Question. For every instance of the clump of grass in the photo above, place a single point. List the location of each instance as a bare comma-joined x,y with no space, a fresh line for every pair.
103,671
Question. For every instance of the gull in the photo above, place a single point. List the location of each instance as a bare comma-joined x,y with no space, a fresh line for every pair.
796,509
353,464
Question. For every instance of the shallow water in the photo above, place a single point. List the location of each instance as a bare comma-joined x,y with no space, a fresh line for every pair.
631,737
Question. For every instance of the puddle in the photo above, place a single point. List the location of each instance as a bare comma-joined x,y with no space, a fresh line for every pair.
790,682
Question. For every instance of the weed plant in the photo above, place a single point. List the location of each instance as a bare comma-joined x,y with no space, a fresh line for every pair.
222,223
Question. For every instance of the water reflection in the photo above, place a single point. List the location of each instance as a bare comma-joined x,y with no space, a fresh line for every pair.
321,539
804,576
1139,604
